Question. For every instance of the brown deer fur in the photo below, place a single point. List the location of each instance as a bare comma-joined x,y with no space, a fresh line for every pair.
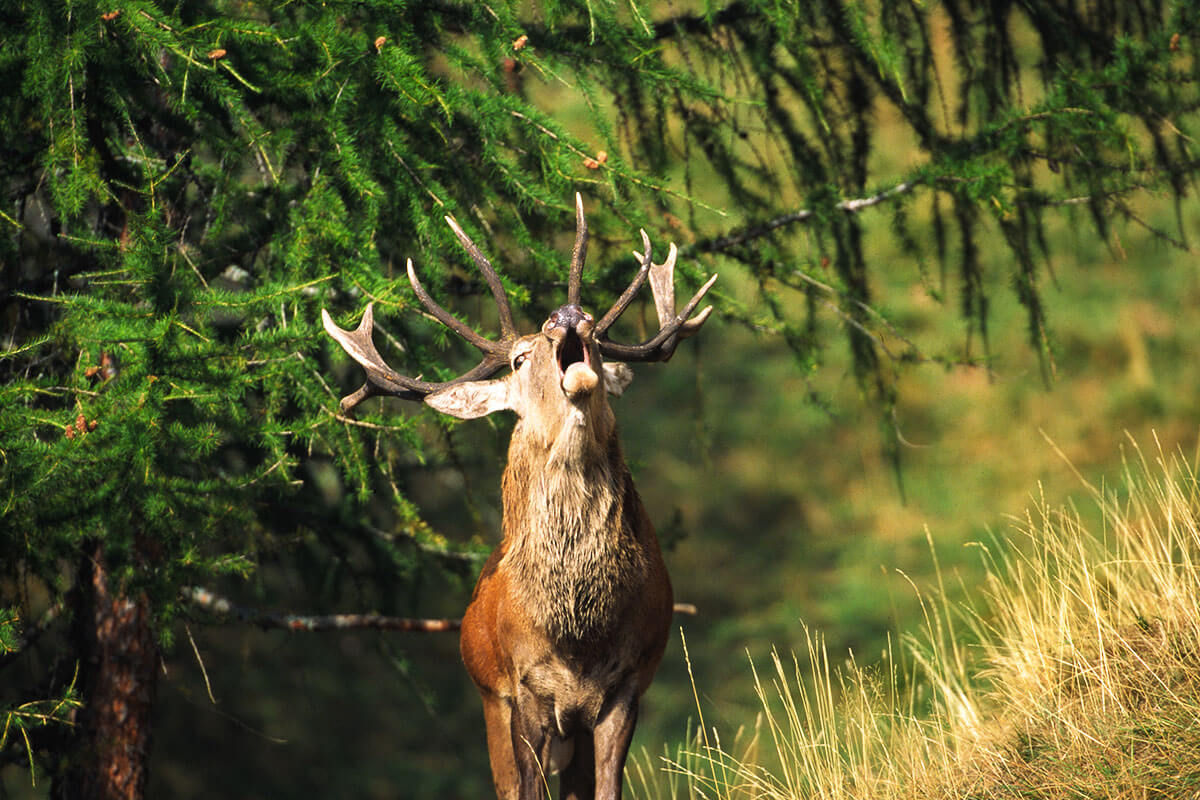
569,617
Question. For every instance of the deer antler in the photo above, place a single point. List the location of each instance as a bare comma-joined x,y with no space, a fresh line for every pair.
383,380
673,328
579,254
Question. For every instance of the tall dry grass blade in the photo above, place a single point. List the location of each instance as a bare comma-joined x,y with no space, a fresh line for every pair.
1084,679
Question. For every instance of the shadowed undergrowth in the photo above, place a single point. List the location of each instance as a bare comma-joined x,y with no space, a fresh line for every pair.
1072,671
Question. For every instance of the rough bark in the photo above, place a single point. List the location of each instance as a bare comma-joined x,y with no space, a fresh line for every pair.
118,658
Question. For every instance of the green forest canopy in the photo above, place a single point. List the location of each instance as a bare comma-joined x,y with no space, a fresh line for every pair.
185,187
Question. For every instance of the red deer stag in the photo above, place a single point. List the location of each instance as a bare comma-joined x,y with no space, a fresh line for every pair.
570,616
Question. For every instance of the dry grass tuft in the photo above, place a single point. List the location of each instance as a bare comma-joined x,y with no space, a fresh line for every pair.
1082,679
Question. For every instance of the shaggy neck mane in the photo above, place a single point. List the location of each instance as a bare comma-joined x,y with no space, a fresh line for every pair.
570,546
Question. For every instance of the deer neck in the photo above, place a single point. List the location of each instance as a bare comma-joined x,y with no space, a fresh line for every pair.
572,553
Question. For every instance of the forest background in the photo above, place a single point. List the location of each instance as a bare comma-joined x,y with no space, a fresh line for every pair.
954,246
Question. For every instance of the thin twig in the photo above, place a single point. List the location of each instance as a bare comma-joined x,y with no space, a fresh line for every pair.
1161,234
360,424
443,555
72,390
200,661
412,174
549,133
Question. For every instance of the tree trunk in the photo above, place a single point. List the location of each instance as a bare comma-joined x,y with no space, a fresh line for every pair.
118,658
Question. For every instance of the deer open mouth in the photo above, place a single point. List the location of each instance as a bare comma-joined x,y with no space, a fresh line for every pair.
571,350
576,376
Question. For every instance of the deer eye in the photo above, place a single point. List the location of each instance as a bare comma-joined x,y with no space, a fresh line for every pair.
520,360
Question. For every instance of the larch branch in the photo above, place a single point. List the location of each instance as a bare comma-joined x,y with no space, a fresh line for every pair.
31,634
761,229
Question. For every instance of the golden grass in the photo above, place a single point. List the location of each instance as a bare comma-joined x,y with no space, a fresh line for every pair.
1073,672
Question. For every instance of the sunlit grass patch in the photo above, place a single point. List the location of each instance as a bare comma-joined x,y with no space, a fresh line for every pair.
1072,671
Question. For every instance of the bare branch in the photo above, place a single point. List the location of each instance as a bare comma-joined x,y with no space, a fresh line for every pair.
222,607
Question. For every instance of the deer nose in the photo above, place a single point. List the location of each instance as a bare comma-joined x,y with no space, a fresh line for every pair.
570,317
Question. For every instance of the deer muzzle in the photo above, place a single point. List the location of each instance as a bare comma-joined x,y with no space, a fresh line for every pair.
571,328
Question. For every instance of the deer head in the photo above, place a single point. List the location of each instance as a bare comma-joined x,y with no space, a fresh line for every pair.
558,373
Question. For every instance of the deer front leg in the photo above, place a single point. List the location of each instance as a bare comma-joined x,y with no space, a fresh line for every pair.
612,734
530,745
497,717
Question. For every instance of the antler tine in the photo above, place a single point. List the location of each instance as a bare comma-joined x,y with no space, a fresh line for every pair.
453,323
662,345
382,379
673,328
579,255
662,286
507,329
630,292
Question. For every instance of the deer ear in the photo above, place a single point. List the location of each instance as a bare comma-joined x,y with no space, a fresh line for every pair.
472,399
617,377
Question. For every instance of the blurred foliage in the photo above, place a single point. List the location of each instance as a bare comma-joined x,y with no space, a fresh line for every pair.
19,720
978,200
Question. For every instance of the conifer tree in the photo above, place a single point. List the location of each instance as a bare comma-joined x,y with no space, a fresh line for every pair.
184,187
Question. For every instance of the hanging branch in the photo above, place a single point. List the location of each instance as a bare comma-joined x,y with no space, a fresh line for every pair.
758,230
762,229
